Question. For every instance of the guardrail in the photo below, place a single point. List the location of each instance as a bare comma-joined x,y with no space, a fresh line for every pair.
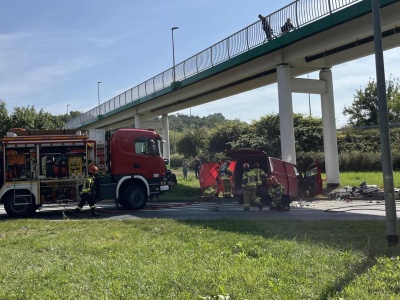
300,13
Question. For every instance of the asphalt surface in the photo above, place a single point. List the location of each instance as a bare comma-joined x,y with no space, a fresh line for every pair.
204,208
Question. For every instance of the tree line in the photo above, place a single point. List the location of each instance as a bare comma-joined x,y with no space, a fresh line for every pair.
30,118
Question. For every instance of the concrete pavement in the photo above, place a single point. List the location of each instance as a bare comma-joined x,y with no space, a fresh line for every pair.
204,208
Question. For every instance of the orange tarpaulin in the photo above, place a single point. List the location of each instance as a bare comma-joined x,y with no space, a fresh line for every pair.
208,175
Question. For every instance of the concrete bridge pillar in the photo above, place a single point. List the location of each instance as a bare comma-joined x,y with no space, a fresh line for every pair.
329,129
138,121
286,113
165,135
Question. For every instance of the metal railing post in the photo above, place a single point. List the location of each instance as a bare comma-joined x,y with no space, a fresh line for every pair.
247,38
227,42
211,57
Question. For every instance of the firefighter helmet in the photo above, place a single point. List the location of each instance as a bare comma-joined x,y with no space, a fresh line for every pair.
93,169
256,165
246,166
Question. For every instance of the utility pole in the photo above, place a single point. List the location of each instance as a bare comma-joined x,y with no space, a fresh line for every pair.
387,166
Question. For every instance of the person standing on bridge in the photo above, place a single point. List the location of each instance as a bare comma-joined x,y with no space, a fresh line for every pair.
265,26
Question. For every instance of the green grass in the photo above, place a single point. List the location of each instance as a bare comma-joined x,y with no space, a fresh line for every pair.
189,187
167,259
355,178
197,259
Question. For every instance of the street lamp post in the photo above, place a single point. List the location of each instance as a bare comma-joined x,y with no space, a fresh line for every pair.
173,51
98,93
66,119
67,111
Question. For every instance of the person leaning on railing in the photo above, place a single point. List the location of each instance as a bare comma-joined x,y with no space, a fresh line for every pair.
287,26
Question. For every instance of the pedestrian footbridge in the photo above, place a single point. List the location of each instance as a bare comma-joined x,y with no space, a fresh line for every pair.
326,33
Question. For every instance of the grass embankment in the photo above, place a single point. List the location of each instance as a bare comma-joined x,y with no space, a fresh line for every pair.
168,259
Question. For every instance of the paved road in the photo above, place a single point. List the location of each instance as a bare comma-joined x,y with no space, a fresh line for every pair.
212,209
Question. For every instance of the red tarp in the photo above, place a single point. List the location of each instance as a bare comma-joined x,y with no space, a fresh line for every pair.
209,172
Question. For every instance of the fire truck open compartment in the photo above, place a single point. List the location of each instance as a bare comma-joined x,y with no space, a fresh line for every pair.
45,158
42,169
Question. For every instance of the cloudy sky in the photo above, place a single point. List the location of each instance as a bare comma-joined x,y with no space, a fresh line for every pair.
53,53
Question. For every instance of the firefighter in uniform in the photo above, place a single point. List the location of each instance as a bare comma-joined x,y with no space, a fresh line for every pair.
276,191
218,183
225,175
261,177
88,192
249,183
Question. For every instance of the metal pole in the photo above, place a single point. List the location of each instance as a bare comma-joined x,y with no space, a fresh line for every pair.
309,99
98,94
387,166
67,111
173,52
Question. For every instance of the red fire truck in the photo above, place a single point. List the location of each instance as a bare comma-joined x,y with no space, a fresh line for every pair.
48,167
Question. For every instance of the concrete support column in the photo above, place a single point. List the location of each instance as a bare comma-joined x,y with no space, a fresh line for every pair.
286,114
165,135
138,121
329,129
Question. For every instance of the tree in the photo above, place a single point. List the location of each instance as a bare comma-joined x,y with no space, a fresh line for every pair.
181,122
222,137
364,109
265,134
4,119
193,142
308,133
23,117
30,119
43,120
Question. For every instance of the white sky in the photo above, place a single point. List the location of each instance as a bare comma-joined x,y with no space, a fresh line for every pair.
53,53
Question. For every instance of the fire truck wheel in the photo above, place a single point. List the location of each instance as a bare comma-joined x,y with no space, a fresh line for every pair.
134,198
16,210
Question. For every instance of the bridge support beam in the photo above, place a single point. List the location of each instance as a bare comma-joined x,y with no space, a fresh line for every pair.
329,129
286,113
138,121
165,135
324,87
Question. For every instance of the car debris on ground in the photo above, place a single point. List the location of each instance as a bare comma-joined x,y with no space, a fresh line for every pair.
364,190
